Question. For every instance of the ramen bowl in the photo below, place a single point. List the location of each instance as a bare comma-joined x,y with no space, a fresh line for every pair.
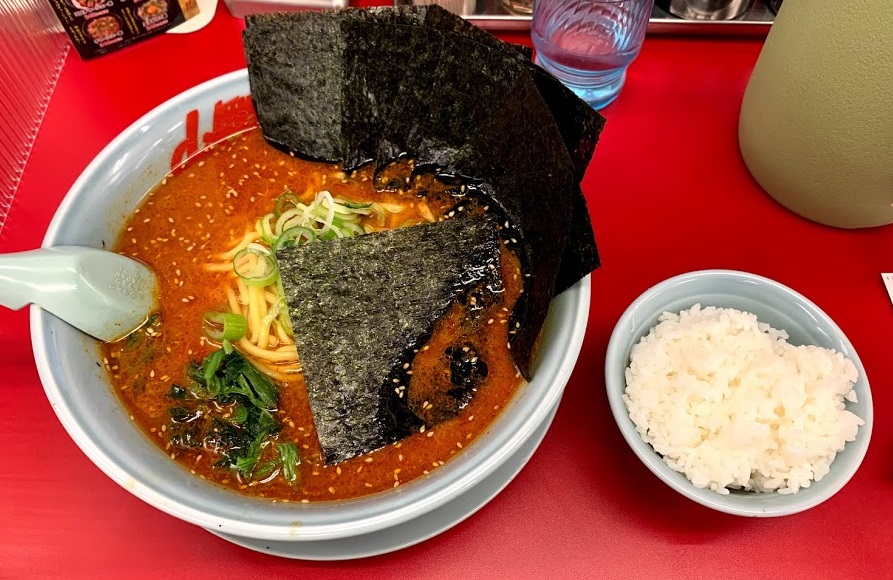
93,213
774,304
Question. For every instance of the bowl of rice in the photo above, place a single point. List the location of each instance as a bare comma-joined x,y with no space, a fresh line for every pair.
739,393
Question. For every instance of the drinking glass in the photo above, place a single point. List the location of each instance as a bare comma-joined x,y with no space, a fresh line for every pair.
588,44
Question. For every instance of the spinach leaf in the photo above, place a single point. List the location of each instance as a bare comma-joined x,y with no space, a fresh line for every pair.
247,433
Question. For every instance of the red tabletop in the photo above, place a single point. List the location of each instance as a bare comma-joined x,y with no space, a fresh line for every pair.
668,194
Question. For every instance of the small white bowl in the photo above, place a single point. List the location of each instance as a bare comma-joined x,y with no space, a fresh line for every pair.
774,304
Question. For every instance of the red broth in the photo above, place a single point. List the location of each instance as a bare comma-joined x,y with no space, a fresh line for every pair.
201,209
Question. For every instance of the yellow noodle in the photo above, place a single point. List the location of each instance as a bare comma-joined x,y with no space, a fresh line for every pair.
267,343
250,317
255,320
280,373
251,236
270,355
233,302
218,267
243,291
261,304
263,338
284,338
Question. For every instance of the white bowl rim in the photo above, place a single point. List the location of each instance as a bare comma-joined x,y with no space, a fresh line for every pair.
614,382
413,503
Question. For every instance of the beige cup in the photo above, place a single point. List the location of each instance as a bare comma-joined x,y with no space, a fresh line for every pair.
816,124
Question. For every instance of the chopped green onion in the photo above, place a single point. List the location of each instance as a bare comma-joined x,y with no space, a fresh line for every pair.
265,229
352,229
220,326
325,196
289,219
285,322
275,309
295,236
285,202
353,205
256,268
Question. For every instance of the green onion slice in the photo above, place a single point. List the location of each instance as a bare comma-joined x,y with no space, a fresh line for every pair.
295,236
286,201
353,204
352,229
255,267
266,229
220,326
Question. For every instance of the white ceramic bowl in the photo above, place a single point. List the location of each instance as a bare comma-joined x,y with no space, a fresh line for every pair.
93,213
773,303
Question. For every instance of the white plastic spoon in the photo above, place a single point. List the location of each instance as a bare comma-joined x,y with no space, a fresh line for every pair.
102,293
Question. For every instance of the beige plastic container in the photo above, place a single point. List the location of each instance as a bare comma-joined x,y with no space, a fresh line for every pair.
816,125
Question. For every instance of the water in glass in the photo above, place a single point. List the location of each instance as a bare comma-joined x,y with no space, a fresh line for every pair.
588,44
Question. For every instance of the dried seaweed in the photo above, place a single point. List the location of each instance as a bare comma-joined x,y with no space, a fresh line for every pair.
360,305
422,82
295,73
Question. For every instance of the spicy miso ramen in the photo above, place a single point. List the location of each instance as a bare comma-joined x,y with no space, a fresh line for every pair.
215,377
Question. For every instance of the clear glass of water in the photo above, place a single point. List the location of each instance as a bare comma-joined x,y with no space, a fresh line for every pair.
588,44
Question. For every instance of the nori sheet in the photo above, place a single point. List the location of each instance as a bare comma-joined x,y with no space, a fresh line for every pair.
369,98
296,78
360,305
422,82
520,196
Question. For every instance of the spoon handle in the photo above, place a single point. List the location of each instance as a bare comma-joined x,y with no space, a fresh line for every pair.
25,276
102,293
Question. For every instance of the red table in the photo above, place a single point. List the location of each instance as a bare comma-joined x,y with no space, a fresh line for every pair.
668,194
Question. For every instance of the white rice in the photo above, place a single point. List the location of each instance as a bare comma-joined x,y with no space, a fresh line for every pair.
730,404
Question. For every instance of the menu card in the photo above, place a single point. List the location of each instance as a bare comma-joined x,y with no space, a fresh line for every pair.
97,27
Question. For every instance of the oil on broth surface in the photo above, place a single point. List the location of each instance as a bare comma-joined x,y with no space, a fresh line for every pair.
201,210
